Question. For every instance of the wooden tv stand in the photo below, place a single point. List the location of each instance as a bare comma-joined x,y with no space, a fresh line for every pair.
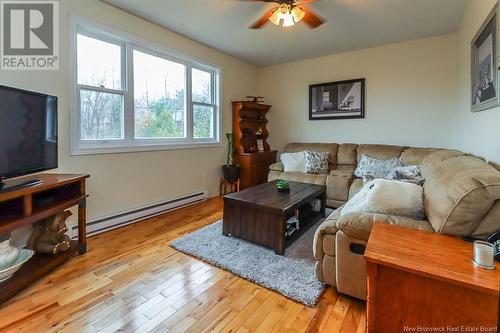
21,207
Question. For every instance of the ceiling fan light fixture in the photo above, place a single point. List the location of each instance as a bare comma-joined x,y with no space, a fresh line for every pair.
288,20
297,13
275,18
286,15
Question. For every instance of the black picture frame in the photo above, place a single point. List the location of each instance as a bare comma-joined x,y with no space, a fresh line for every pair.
331,90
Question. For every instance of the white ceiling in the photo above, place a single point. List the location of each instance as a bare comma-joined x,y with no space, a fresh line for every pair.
351,25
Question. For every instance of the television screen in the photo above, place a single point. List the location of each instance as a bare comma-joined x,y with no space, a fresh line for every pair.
28,132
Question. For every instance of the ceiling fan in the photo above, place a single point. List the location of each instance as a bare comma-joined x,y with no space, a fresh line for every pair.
288,13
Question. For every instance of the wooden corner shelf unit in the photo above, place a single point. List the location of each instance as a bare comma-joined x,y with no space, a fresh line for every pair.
21,207
249,126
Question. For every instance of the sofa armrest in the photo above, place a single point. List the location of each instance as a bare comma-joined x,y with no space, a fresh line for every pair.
324,237
338,184
277,167
359,225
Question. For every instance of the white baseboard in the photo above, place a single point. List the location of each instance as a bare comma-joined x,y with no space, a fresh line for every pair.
119,220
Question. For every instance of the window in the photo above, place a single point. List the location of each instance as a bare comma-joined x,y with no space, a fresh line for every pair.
159,97
100,89
132,95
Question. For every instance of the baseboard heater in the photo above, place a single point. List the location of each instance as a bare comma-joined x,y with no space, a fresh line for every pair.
119,220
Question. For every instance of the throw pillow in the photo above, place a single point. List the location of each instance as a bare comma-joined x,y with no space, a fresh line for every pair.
377,168
293,162
316,162
383,196
409,174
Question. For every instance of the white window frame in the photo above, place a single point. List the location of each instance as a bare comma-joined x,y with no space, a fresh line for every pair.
128,143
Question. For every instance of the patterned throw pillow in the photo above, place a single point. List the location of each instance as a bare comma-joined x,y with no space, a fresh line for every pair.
408,174
316,162
376,168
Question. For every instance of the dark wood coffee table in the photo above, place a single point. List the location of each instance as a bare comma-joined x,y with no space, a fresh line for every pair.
259,214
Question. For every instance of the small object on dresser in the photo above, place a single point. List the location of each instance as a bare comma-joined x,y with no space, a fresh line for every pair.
483,254
260,144
255,99
283,186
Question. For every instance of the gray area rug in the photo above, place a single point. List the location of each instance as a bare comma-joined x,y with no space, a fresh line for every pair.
292,275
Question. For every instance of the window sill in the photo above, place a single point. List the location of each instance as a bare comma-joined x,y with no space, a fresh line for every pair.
100,150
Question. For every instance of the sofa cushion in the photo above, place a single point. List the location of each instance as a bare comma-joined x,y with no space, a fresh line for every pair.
277,167
298,177
359,225
459,192
490,223
347,154
434,159
338,183
356,186
317,147
415,156
381,152
388,197
293,162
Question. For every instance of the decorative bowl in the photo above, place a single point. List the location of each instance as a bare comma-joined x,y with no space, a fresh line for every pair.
283,186
8,254
24,255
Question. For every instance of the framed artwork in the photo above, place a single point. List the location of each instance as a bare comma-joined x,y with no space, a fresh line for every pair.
337,100
485,65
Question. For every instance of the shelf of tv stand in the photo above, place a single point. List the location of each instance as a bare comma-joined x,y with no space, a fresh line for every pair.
24,206
10,223
33,269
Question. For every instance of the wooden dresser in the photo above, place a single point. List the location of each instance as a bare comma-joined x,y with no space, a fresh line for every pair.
249,127
422,279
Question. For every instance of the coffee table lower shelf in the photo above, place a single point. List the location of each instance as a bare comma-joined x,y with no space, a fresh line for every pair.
304,226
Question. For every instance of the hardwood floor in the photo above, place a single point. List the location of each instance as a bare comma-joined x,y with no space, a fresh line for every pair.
130,280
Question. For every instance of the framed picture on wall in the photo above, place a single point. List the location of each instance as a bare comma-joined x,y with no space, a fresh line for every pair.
484,66
337,100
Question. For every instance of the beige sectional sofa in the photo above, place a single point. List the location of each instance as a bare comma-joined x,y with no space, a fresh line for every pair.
461,197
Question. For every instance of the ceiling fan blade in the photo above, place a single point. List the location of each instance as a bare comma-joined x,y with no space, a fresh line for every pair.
311,19
262,20
277,1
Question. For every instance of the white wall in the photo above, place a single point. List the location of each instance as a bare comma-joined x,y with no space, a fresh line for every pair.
411,99
120,182
410,95
478,133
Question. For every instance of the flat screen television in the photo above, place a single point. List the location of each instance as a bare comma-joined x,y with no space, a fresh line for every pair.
28,133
